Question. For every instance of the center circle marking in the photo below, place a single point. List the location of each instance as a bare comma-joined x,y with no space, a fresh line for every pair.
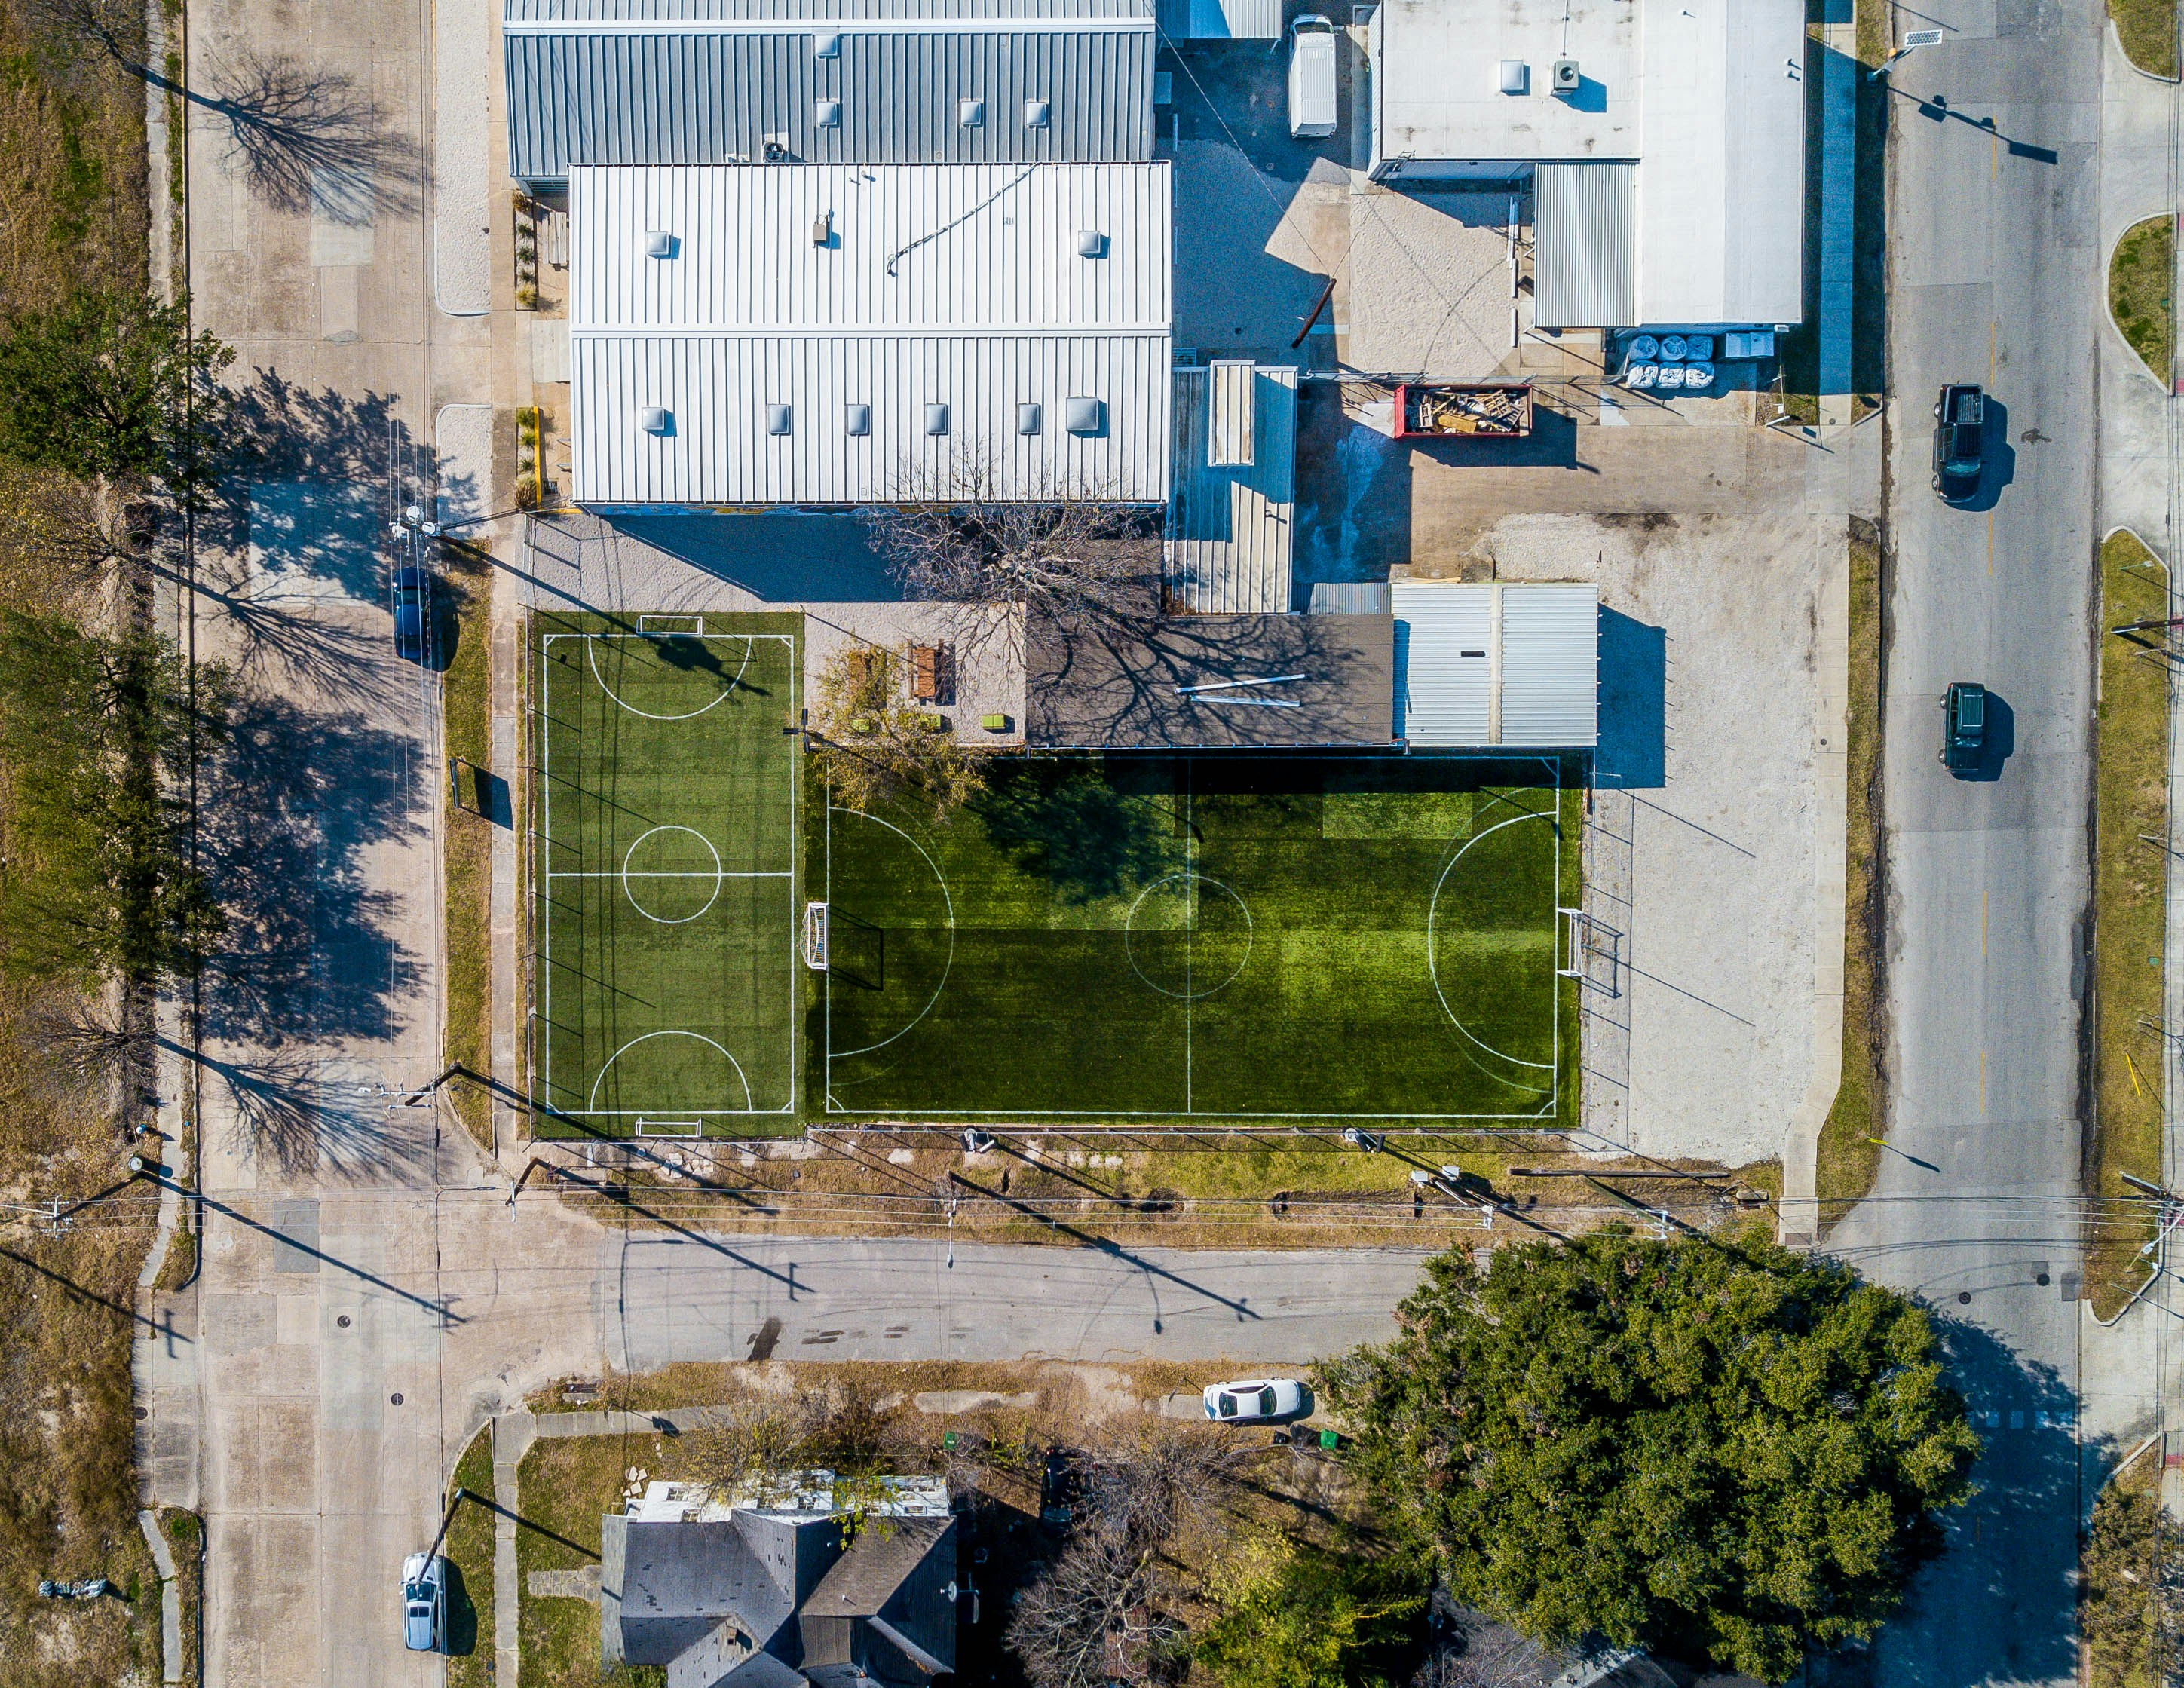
632,877
1183,881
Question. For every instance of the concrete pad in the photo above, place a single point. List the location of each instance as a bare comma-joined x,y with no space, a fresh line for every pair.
462,443
462,157
315,541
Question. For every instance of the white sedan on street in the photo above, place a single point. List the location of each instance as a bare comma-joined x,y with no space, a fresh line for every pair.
1267,1400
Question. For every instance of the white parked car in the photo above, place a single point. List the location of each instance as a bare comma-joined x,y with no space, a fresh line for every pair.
1260,1402
425,1603
1311,77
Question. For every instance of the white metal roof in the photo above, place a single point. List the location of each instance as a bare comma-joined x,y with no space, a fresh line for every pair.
1706,97
759,15
1232,511
968,286
1482,663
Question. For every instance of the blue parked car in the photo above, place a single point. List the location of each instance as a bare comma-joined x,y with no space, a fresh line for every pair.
413,612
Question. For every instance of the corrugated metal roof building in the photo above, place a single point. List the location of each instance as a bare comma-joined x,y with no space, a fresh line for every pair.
816,334
825,82
1584,222
1232,499
1481,664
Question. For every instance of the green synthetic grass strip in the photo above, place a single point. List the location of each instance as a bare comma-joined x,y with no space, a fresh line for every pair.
666,839
1238,938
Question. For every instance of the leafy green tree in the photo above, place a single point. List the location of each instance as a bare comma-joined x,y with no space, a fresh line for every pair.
114,384
1293,1617
97,878
2123,1584
1737,1452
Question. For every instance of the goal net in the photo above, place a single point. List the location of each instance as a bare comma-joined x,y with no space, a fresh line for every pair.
671,626
814,937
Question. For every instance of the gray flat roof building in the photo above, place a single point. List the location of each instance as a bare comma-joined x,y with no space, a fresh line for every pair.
825,82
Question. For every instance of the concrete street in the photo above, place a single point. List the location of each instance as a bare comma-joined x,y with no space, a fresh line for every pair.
1996,277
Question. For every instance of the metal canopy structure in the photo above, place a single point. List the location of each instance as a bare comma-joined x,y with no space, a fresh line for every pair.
1231,518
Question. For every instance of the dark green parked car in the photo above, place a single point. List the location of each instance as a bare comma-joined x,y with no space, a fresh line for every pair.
1963,726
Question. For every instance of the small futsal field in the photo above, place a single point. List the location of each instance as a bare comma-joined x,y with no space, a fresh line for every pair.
668,984
1227,938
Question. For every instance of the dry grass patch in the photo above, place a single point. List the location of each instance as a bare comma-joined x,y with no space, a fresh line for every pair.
466,697
469,1548
2147,30
2142,280
1848,1158
2130,774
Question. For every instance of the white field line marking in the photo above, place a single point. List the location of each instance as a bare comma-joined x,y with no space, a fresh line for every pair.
591,1101
948,901
592,656
1433,913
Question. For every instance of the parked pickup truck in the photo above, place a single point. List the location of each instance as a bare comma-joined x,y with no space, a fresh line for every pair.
1460,410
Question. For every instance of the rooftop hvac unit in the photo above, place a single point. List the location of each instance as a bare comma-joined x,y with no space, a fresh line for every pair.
777,419
1566,76
659,243
1516,76
1086,415
655,420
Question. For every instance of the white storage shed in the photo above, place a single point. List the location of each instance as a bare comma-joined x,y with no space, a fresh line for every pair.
1483,664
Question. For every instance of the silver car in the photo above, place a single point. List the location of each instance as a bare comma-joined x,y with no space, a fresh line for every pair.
425,1603
1264,1400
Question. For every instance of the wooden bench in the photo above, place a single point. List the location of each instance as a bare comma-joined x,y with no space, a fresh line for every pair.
932,674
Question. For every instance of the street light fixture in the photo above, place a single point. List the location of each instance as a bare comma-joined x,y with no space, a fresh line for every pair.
1912,42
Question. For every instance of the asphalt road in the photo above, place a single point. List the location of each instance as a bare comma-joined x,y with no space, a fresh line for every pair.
1994,278
727,1298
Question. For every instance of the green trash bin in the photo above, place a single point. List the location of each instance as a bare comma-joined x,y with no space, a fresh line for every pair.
1329,1439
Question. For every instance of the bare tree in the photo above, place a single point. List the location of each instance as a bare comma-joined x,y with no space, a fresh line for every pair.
953,538
760,1444
55,545
871,747
309,138
1097,1617
1104,1612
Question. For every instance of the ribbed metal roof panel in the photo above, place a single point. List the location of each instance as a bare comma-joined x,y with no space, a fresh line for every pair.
1231,529
718,390
916,248
1550,665
1585,223
961,285
761,12
1443,696
658,98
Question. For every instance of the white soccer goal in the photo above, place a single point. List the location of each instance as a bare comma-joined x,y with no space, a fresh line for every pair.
670,627
1592,952
670,1127
814,937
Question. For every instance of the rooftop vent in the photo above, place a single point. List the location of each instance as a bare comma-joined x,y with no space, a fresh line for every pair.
1516,75
1091,243
1566,77
971,113
654,418
826,45
659,243
777,419
1086,415
936,420
826,114
1038,114
857,420
1027,417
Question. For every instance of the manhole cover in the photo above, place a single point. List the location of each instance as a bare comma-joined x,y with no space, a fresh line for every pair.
397,1396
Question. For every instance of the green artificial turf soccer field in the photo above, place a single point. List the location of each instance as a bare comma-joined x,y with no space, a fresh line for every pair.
1241,937
667,977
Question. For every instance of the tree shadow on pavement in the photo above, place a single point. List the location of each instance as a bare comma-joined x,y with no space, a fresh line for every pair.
290,810
310,139
1998,1603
